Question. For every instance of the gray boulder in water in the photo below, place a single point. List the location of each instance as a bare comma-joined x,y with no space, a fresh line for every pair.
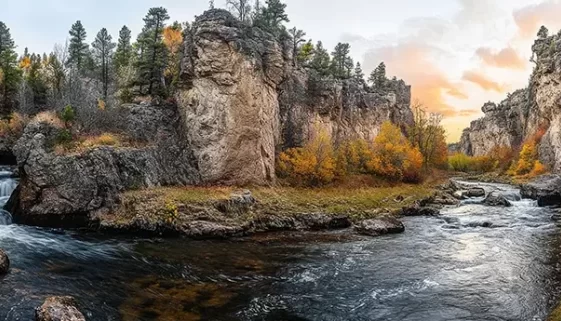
496,199
377,227
545,189
4,263
59,308
476,192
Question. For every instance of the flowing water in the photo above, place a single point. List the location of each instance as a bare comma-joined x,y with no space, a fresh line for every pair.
473,263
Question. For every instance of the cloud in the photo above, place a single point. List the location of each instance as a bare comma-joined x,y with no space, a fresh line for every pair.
468,112
482,81
412,62
507,58
530,18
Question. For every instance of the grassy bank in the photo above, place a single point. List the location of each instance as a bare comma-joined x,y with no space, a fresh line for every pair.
174,208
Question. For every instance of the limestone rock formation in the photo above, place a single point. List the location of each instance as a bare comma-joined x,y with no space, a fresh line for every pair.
73,187
544,189
243,101
525,112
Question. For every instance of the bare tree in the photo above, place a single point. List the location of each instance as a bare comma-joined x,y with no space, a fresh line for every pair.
241,8
428,135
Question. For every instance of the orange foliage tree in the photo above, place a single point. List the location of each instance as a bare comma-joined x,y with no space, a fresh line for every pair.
394,157
173,39
311,165
428,135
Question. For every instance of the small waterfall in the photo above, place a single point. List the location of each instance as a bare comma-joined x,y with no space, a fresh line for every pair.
7,186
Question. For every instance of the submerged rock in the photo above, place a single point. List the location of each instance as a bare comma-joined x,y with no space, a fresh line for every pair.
377,227
496,199
476,192
59,308
544,189
4,263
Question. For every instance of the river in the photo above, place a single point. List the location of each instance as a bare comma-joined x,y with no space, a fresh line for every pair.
473,263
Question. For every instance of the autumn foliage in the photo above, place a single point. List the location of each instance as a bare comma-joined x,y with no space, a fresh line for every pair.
390,155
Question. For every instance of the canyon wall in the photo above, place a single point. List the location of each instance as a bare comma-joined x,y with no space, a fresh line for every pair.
525,112
243,100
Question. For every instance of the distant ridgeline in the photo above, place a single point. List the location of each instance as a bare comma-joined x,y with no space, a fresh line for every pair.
529,114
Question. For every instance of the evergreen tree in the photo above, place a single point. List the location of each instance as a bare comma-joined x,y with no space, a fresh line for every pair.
543,32
10,74
152,60
36,82
272,16
341,64
78,49
378,77
321,60
211,4
297,38
305,53
102,48
358,73
55,74
123,53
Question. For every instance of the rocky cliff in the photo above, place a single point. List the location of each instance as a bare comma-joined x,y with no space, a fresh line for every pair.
241,101
525,112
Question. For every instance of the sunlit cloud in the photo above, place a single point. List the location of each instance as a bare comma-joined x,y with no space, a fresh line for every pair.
506,58
530,18
483,81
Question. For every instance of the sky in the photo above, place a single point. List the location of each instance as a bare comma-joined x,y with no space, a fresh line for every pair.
456,54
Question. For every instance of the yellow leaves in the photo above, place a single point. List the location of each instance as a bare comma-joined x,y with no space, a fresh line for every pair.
173,38
527,158
312,165
393,155
25,63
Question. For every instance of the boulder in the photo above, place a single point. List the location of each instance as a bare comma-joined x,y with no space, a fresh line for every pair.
381,226
59,308
4,263
440,198
417,210
211,230
476,192
496,199
544,189
460,195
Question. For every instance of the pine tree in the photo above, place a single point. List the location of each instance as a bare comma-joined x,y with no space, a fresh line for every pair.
358,73
305,53
10,74
378,77
102,49
123,53
272,16
297,38
211,4
152,60
36,81
78,49
341,64
55,74
543,32
321,60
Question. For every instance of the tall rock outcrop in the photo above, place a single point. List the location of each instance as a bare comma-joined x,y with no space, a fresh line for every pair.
525,112
243,101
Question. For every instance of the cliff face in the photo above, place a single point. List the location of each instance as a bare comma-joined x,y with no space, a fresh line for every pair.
243,100
525,112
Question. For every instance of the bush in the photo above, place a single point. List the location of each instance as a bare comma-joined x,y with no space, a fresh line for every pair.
482,164
526,160
393,155
539,169
67,115
64,137
460,162
107,139
311,165
352,157
13,126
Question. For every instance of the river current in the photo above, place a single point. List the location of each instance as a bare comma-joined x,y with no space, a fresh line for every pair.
472,263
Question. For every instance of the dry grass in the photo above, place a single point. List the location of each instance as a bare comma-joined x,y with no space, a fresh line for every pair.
288,200
13,126
49,117
105,139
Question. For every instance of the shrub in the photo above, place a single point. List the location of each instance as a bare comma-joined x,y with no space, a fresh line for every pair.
67,115
526,159
482,164
49,117
107,139
502,156
460,162
539,169
64,137
352,157
311,165
13,126
393,155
